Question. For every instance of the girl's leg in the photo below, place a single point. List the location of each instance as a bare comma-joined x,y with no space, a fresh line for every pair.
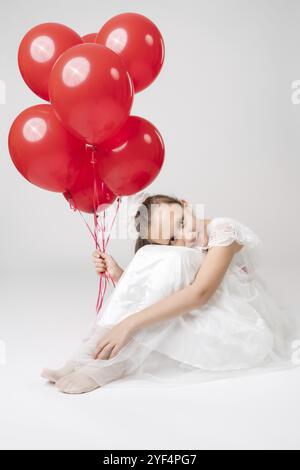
154,273
81,357
83,368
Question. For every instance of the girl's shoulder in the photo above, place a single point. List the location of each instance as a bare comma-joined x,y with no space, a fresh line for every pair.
222,231
218,221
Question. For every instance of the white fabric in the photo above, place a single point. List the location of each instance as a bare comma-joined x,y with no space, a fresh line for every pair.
240,329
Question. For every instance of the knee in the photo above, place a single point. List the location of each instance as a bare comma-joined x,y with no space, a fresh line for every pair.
169,258
183,258
171,253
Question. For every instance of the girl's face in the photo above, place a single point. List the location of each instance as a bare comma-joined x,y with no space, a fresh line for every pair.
172,224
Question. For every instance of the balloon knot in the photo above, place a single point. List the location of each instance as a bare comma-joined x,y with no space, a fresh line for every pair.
91,147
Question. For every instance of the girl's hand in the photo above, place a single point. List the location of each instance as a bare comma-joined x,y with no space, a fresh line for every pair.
112,342
105,263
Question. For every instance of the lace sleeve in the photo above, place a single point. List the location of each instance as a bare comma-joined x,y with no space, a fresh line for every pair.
222,231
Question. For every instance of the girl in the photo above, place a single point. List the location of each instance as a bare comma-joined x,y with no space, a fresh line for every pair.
191,304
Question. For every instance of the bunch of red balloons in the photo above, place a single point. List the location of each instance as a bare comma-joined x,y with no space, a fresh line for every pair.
90,83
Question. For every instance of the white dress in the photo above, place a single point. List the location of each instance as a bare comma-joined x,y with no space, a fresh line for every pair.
239,330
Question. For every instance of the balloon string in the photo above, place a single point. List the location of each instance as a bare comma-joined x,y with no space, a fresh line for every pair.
105,243
96,228
105,278
117,209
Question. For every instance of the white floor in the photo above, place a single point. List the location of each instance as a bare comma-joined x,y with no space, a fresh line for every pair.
43,319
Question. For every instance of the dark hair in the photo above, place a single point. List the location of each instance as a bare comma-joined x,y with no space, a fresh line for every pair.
155,199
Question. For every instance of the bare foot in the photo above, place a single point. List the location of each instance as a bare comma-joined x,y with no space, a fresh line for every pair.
76,382
53,375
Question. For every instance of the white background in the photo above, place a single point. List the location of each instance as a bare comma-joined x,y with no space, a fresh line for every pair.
223,105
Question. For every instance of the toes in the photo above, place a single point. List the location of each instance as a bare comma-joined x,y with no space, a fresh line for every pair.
56,374
44,373
76,383
67,384
49,375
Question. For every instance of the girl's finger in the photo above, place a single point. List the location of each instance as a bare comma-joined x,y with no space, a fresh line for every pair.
105,351
100,346
99,260
98,254
114,352
100,268
99,263
100,271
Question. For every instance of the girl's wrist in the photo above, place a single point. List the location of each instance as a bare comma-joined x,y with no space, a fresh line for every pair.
132,324
118,274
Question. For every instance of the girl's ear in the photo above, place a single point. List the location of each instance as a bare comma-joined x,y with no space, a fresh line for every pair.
184,201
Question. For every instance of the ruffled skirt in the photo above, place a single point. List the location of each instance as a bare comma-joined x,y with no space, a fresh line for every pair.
239,331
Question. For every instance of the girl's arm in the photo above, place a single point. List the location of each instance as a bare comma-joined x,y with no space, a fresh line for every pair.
193,296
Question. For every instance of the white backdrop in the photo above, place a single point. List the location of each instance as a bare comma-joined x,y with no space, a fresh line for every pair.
222,103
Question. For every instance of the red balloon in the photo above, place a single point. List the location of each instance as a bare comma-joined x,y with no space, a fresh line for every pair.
91,37
43,151
140,44
91,92
81,193
131,160
38,51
